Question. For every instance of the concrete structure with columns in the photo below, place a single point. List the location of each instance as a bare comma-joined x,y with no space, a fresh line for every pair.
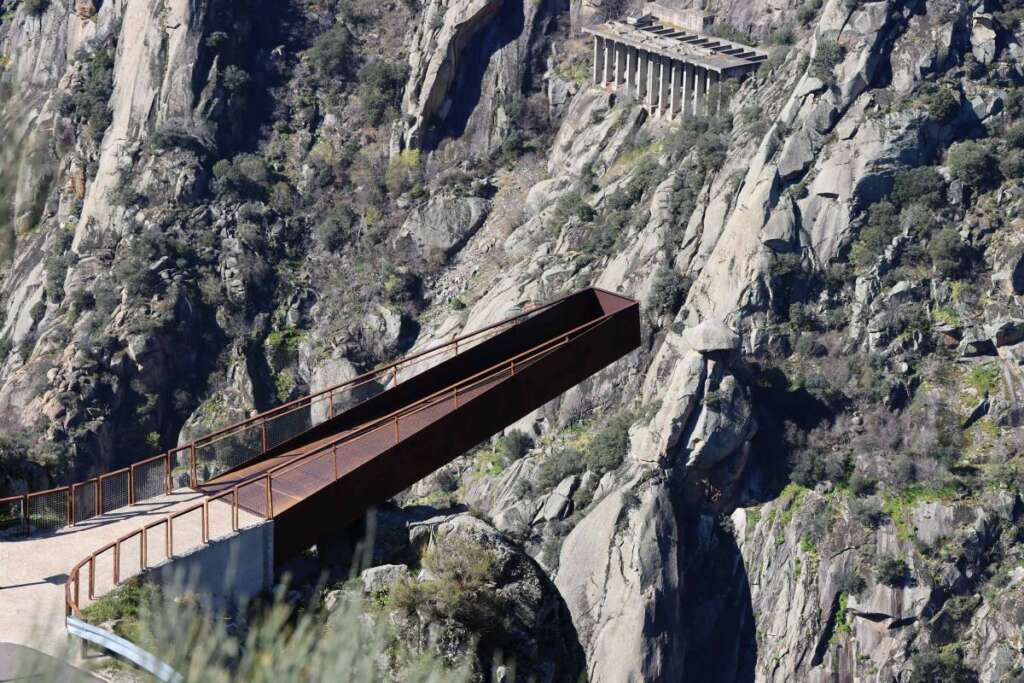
672,70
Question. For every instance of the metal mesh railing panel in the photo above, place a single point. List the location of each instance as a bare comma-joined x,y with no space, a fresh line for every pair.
130,561
181,469
11,515
221,514
280,428
156,544
115,492
252,497
213,459
85,501
49,510
188,531
104,581
149,480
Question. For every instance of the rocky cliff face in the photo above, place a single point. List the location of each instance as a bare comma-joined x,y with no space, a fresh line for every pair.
809,471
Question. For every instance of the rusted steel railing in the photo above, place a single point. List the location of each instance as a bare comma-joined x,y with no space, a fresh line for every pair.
210,454
263,482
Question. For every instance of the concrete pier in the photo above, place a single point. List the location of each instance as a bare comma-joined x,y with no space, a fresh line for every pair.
671,69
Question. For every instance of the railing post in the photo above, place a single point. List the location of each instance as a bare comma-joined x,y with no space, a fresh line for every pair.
78,583
330,404
92,577
99,498
131,485
24,514
167,474
263,435
270,498
192,464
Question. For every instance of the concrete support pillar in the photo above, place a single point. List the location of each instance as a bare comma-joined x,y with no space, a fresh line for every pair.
598,60
677,89
714,93
643,66
700,91
631,69
665,100
688,89
609,61
620,65
654,81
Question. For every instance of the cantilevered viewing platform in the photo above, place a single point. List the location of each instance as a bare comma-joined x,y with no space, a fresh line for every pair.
663,59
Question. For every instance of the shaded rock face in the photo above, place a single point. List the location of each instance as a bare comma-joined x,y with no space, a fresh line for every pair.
470,63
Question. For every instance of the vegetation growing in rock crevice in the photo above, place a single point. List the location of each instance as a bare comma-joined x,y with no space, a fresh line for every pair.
89,103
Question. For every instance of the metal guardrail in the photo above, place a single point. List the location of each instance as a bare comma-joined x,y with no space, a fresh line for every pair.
262,503
124,648
211,454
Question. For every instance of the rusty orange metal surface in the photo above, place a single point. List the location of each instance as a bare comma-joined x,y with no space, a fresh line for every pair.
327,476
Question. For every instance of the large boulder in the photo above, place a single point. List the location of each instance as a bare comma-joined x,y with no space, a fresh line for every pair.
710,336
443,224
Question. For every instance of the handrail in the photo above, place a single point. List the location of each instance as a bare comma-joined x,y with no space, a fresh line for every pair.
72,583
169,457
443,394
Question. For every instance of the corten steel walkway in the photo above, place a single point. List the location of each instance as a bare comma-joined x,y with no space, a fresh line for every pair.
318,463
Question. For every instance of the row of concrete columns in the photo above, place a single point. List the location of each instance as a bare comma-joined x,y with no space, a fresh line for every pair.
668,87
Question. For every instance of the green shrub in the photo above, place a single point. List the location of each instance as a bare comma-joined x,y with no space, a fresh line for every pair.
89,103
235,79
216,40
882,226
244,177
808,11
974,163
948,667
892,571
380,90
1011,163
610,445
943,105
948,253
861,485
557,466
810,466
1015,136
337,227
330,53
922,185
573,204
461,586
514,444
828,55
405,172
668,291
